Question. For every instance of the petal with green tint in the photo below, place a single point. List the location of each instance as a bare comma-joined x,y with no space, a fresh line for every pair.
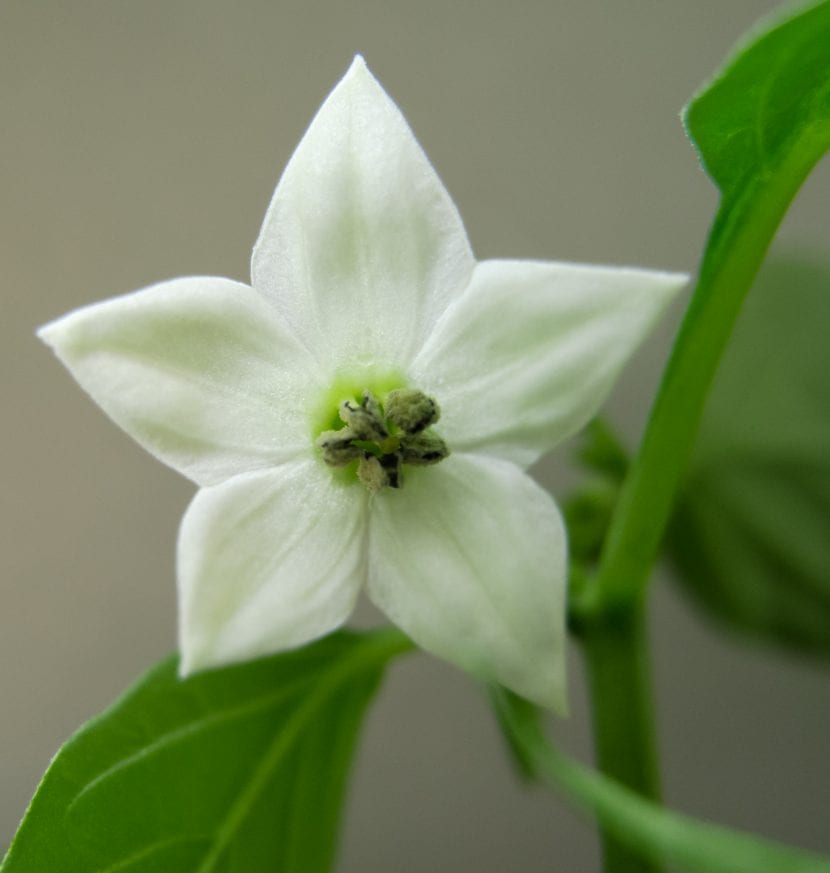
469,559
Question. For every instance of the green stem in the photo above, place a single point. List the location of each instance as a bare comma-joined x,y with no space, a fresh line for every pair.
609,610
648,829
623,724
740,236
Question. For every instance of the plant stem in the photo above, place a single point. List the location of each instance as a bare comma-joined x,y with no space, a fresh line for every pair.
738,241
650,830
623,724
609,609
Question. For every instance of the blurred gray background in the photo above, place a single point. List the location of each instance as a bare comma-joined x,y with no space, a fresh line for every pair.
141,141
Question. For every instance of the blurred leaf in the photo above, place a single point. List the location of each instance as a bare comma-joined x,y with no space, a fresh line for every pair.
600,450
588,509
236,769
751,533
587,512
659,834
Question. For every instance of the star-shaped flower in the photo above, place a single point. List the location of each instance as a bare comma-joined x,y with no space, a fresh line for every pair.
364,414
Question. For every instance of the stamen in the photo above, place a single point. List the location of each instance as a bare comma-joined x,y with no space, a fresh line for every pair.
338,447
376,473
423,449
412,411
384,438
365,420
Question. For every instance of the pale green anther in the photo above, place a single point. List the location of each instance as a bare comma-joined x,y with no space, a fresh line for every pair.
423,449
338,447
411,410
376,473
365,420
380,454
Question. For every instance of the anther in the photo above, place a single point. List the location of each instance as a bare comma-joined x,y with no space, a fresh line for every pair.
423,449
365,420
382,438
376,473
412,411
338,447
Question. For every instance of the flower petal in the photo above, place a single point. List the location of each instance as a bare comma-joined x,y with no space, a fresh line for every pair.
268,561
199,370
469,559
529,353
361,248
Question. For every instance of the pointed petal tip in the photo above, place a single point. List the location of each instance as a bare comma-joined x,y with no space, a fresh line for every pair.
668,280
189,661
545,687
48,333
503,619
357,69
551,698
556,701
360,73
675,281
184,669
195,654
192,663
666,286
359,218
59,336
43,332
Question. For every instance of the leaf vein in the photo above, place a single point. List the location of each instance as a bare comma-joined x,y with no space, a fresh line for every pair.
180,733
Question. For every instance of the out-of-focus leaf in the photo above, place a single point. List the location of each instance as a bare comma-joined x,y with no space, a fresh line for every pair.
751,533
601,451
589,508
236,769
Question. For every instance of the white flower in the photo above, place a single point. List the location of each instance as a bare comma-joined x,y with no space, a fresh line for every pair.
364,282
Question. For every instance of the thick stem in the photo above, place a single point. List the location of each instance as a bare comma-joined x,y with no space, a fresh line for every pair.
623,722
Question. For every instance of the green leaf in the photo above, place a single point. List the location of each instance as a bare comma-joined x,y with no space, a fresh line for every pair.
769,107
237,769
750,533
759,127
655,833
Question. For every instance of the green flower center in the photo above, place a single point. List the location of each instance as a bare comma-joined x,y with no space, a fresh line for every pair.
375,439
